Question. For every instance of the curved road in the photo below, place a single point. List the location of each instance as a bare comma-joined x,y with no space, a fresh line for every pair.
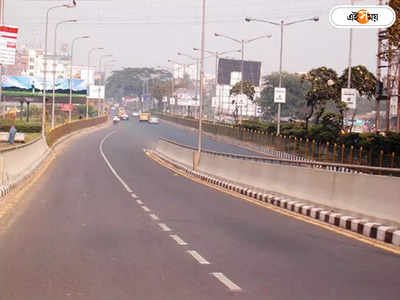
83,235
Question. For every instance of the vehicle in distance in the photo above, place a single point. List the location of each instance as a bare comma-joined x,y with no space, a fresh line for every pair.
116,120
125,117
144,117
135,114
154,120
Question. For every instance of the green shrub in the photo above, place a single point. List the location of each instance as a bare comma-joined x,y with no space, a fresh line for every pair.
21,126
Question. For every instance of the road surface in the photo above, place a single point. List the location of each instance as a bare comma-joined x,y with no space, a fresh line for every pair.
138,231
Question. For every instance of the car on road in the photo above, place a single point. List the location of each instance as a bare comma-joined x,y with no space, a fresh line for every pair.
116,120
154,120
144,117
135,114
125,117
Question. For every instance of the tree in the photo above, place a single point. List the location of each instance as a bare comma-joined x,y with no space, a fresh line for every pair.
248,89
296,89
160,90
392,34
361,79
129,81
324,89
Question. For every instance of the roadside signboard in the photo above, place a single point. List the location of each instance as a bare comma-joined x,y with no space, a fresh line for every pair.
67,107
8,44
96,92
280,95
349,96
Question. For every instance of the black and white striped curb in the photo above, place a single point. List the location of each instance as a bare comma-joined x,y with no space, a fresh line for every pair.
387,234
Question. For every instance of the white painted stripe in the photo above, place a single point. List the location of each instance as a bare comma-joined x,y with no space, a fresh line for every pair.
146,209
201,260
154,217
134,196
178,240
227,282
139,202
109,164
164,227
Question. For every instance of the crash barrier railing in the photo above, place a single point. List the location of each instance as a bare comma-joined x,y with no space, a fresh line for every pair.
361,194
293,148
64,129
343,168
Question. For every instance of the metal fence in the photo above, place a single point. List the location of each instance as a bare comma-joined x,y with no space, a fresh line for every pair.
296,148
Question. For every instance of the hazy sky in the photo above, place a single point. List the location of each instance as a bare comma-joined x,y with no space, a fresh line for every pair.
149,32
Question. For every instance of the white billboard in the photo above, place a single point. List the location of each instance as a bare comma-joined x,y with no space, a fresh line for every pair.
8,44
96,92
279,95
349,96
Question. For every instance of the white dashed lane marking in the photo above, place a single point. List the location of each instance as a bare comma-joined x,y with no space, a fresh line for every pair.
201,260
164,227
178,240
139,202
134,196
227,282
145,208
154,217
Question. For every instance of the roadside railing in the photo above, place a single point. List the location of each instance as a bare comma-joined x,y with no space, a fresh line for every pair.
343,168
293,148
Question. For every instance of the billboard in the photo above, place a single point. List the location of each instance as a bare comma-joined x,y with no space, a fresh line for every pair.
8,44
22,83
251,71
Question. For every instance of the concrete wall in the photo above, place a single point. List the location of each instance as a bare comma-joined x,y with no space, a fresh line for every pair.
371,195
17,162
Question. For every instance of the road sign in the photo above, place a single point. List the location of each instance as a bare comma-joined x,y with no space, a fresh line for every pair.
8,44
349,96
280,95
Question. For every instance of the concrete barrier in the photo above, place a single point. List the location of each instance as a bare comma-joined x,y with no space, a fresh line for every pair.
19,161
370,195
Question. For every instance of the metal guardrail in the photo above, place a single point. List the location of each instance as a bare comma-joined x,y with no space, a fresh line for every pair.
343,168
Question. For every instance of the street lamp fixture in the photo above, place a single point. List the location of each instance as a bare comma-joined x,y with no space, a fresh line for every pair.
55,69
282,23
45,64
70,71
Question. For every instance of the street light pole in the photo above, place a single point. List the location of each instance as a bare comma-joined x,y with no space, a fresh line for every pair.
203,39
55,69
88,80
45,65
70,73
281,24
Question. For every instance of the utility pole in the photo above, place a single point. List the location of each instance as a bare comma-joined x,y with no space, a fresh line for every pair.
1,66
378,78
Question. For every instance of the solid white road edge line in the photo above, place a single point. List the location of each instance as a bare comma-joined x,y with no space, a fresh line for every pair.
146,209
201,260
139,202
109,164
154,217
164,227
178,240
227,282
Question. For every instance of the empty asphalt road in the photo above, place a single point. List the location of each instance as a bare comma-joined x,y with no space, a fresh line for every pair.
106,222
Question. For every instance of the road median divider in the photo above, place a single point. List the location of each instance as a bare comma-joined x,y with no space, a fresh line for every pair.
365,204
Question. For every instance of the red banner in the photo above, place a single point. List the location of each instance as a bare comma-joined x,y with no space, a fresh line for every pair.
67,107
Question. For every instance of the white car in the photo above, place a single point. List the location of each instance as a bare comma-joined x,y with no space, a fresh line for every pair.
125,117
154,120
116,119
135,114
